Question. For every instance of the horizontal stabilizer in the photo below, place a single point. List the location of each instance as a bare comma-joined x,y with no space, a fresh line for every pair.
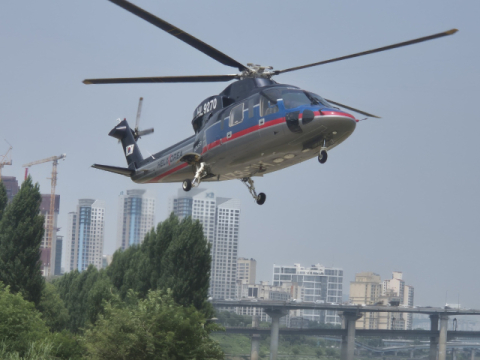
114,169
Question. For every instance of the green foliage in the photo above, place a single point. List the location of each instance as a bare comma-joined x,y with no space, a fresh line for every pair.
53,308
319,352
151,328
331,352
39,350
21,231
175,256
295,350
83,295
20,323
228,318
65,345
3,198
54,347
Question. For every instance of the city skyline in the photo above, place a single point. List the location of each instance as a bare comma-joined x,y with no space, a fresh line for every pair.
406,182
220,218
180,193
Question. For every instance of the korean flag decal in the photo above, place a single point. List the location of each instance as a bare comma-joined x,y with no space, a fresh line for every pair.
129,150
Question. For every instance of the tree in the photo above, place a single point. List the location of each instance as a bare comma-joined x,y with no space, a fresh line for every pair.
84,294
53,309
20,323
186,265
21,232
176,256
150,329
3,199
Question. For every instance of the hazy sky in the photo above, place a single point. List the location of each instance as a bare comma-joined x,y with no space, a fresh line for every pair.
402,193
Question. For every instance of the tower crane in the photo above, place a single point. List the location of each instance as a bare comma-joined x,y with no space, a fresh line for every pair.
6,159
50,219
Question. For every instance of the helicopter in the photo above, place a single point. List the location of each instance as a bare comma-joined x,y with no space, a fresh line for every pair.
255,126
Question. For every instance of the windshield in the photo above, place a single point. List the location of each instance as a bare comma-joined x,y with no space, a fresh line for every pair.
319,99
293,99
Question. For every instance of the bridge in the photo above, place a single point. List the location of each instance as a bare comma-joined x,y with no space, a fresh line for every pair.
350,314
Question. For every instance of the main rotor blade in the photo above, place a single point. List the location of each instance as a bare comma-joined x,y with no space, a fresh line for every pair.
389,47
163,79
180,34
353,109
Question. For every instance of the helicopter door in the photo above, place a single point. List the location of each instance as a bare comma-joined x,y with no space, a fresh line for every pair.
270,115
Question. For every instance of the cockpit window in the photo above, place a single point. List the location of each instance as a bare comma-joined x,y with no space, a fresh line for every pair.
268,101
319,99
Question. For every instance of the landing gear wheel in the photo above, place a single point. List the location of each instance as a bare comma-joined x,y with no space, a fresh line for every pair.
261,198
187,185
322,157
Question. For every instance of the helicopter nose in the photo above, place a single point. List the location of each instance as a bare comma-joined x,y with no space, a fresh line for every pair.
336,121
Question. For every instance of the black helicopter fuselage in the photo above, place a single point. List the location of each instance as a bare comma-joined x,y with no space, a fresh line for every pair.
254,127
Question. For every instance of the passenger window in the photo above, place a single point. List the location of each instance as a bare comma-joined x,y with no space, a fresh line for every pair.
236,115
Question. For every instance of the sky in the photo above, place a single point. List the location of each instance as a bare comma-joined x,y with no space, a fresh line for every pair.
401,194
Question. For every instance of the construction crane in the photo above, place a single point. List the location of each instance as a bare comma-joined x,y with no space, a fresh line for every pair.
6,159
49,221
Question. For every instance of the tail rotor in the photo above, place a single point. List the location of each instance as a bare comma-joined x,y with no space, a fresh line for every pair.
137,134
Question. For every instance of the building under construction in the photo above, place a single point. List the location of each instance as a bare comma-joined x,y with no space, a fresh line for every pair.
50,212
48,253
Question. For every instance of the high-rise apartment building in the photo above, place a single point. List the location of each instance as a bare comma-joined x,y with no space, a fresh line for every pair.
136,217
220,218
310,284
246,270
11,185
69,243
366,289
48,251
85,235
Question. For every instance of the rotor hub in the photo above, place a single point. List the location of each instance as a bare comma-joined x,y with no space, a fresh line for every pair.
257,71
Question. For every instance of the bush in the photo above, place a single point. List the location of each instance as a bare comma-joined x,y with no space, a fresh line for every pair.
20,323
150,329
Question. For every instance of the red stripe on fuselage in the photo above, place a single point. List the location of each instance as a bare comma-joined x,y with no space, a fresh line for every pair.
244,132
171,171
241,133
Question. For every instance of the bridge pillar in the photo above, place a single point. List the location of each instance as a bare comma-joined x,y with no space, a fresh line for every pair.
433,339
473,354
254,355
275,315
348,347
442,338
343,346
412,353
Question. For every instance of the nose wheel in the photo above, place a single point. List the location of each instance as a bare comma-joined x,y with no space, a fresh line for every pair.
323,156
260,198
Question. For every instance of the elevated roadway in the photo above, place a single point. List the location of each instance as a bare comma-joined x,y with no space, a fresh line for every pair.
351,313
285,305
